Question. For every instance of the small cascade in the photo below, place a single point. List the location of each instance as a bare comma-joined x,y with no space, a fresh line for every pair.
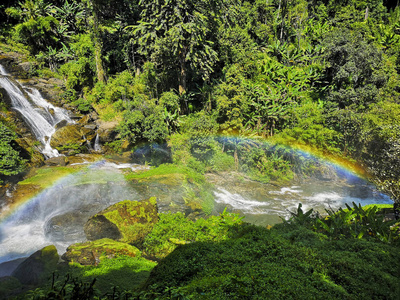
97,146
40,116
3,71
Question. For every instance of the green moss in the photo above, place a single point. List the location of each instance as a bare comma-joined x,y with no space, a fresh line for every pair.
121,272
134,219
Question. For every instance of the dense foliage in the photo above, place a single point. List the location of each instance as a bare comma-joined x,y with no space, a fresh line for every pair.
224,258
11,162
211,79
318,73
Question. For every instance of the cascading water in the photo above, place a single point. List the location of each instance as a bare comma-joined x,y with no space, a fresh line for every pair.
264,204
3,71
56,216
97,146
40,116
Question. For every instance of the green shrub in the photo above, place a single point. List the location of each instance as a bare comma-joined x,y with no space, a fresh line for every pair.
175,229
11,163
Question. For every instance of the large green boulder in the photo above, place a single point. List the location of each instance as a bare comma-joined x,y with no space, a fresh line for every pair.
91,253
37,267
126,221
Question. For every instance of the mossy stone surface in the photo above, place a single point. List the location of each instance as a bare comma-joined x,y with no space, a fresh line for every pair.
91,253
133,219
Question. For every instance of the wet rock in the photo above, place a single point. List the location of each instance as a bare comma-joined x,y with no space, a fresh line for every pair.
133,219
107,131
30,151
91,253
69,225
69,134
75,116
90,127
88,132
4,97
61,124
36,267
100,227
56,161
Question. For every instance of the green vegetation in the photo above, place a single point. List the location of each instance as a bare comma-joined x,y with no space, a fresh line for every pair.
11,163
223,258
212,80
322,74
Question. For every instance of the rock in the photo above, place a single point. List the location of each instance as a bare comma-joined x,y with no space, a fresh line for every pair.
127,155
69,226
26,66
91,253
30,151
100,227
75,116
88,133
6,268
133,219
90,127
107,131
35,268
56,161
69,134
61,124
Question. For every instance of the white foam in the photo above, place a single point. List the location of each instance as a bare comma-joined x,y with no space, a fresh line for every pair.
287,190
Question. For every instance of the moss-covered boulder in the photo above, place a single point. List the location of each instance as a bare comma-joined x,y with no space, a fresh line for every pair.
36,268
107,131
91,253
70,134
126,221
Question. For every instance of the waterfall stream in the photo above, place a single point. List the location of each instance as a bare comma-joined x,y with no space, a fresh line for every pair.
57,215
40,115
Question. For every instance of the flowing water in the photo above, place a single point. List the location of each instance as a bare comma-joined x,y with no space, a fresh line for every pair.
57,215
266,204
40,116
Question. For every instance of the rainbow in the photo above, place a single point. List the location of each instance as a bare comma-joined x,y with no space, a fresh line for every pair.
342,165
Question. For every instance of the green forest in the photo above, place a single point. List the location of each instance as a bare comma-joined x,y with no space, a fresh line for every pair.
319,73
209,80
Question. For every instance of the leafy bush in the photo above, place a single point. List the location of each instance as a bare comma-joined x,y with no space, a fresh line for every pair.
175,229
11,163
353,222
288,261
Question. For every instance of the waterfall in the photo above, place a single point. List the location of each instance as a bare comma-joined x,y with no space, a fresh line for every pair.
40,116
97,146
3,71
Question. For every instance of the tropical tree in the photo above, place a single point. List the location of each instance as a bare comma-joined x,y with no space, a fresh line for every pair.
176,33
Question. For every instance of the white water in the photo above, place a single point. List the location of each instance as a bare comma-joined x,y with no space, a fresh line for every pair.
266,205
40,116
57,215
97,146
3,71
